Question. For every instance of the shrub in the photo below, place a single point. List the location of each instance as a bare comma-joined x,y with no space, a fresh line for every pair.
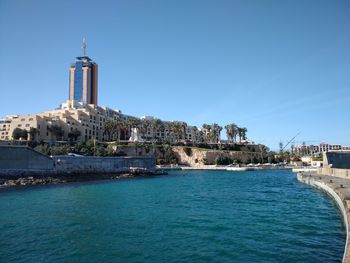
220,160
120,153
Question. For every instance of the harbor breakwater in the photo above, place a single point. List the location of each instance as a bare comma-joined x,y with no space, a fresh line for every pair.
339,190
19,161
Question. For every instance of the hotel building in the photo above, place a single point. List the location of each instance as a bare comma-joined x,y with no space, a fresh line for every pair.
82,115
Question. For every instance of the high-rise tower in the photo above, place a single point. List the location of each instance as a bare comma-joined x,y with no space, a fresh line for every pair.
83,77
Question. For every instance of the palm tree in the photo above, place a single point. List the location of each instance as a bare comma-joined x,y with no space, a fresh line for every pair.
108,129
280,145
183,126
112,128
176,130
207,132
143,127
231,132
155,125
242,133
122,128
216,130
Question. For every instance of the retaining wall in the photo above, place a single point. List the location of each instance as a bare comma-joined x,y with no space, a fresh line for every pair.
342,173
20,161
23,157
102,164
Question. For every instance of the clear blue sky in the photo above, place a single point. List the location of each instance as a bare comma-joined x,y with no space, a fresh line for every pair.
275,67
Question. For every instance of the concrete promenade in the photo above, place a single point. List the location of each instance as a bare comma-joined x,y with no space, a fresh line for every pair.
339,190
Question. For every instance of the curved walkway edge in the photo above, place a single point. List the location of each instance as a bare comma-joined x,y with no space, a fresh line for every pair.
339,190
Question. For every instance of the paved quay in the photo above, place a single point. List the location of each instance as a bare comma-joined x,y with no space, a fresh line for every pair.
339,190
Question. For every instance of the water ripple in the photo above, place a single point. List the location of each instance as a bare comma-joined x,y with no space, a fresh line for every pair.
198,217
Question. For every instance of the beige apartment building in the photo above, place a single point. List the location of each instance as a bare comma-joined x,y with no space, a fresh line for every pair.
89,120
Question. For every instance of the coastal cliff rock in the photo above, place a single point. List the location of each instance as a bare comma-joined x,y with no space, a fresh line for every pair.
203,156
192,156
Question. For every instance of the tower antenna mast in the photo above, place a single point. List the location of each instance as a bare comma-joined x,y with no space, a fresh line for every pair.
83,46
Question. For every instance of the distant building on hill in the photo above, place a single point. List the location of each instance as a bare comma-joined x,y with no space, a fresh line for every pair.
317,150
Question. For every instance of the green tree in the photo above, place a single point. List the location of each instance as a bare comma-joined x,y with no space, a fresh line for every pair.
74,135
56,131
33,132
43,148
20,134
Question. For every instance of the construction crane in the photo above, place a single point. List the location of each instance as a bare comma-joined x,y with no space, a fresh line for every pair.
290,141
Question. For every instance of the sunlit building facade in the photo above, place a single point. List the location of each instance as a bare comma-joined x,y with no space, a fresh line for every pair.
83,81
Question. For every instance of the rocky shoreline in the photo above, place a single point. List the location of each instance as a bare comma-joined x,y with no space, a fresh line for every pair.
52,180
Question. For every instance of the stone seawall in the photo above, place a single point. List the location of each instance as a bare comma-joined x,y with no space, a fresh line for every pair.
23,157
339,190
102,164
19,161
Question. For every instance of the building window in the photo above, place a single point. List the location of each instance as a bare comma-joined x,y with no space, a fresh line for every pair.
30,119
23,119
19,125
27,125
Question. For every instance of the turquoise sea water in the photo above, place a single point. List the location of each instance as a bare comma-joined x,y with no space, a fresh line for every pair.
195,216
